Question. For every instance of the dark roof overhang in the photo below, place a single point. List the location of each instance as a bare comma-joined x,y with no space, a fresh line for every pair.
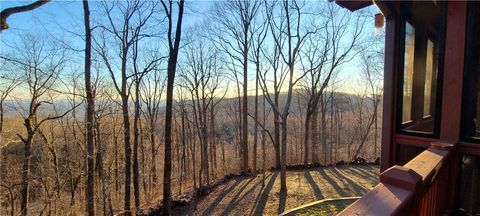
353,5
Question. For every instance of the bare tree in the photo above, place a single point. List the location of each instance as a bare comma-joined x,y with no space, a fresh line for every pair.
90,190
215,99
173,48
264,139
100,159
150,64
236,42
5,90
152,91
202,79
324,55
72,128
134,17
103,132
373,76
289,37
40,64
372,92
259,34
182,130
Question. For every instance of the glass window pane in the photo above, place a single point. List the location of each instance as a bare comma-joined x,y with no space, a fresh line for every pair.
469,201
471,91
408,71
422,38
428,80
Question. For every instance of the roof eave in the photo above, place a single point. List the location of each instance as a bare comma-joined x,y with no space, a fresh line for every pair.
353,5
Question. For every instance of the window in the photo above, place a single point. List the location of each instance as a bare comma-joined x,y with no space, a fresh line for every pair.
471,92
421,54
408,72
468,201
428,80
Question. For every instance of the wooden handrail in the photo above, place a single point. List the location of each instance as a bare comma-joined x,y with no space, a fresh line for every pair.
406,189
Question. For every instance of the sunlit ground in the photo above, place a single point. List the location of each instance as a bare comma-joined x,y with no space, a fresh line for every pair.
245,196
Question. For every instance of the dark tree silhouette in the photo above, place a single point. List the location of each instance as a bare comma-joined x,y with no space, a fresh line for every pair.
90,184
173,48
13,10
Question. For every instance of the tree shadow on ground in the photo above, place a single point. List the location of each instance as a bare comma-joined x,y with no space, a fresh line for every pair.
282,203
231,206
260,193
262,197
313,185
356,188
370,170
364,174
220,197
332,182
232,203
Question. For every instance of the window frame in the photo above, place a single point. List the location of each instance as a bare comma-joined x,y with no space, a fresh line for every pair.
466,75
458,181
400,125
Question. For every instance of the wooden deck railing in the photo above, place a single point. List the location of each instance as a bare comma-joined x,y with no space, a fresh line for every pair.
417,188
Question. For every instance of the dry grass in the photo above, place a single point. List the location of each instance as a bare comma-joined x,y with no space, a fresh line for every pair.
245,196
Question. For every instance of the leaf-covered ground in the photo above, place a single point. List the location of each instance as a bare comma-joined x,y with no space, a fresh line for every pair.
328,207
245,196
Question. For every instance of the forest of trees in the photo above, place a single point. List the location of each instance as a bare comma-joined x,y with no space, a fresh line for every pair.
148,106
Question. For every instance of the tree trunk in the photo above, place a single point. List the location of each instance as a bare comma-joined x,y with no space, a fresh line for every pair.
307,138
90,184
168,138
11,200
245,109
324,128
283,174
223,158
314,136
239,125
364,137
136,134
205,141
184,143
375,115
1,116
332,139
338,125
128,152
153,152
143,159
197,117
276,144
263,145
178,142
255,130
26,170
213,140
115,167
192,145
100,169
171,69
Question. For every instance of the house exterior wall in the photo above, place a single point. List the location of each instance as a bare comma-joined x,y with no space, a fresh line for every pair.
398,148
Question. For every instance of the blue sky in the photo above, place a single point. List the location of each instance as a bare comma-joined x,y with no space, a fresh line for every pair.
63,19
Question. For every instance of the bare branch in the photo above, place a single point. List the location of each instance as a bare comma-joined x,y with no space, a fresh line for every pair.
13,10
